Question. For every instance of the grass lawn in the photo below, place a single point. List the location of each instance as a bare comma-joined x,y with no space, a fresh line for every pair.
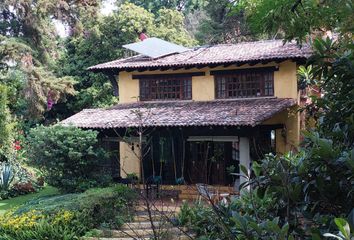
17,201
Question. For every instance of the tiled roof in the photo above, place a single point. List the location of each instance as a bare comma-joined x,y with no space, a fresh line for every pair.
244,112
213,55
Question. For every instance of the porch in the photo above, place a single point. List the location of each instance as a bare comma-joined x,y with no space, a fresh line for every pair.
184,156
189,142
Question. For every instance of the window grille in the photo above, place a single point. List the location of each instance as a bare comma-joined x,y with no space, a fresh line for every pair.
166,88
245,84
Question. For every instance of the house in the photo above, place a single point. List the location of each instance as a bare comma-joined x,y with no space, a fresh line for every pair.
194,115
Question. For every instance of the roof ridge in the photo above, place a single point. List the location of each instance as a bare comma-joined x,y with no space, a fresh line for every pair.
248,51
241,43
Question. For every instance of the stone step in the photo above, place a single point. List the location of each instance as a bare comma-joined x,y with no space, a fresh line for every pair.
143,233
139,225
159,208
145,218
188,196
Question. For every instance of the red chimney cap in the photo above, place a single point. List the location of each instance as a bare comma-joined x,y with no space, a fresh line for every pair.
143,36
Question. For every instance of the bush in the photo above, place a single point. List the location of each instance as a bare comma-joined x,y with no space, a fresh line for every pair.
225,222
97,206
68,157
63,225
68,216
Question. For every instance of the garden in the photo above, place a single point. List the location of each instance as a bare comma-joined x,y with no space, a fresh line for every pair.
52,182
74,199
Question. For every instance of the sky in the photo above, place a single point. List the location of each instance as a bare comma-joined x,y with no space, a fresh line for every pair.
107,7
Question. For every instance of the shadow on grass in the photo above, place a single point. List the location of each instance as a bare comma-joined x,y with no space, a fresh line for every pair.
17,201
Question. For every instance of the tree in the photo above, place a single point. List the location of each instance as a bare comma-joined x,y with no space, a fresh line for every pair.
103,43
5,124
222,25
154,6
30,47
298,19
68,157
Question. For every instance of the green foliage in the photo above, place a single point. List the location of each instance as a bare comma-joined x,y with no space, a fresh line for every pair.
331,69
103,42
345,232
170,26
5,123
221,24
29,47
30,84
36,225
298,19
313,185
180,5
225,222
68,216
68,157
96,206
6,177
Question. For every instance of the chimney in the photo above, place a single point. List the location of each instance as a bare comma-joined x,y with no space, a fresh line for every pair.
143,35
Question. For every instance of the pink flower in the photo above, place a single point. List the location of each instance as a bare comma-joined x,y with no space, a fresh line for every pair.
17,145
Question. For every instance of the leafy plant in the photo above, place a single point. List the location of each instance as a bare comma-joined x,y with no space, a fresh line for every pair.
6,176
68,157
96,206
345,233
68,216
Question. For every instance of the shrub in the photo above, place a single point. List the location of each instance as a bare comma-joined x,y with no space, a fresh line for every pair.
63,225
96,206
224,222
68,157
68,216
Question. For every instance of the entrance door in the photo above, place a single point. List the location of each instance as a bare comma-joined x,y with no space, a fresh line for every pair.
217,165
199,154
207,162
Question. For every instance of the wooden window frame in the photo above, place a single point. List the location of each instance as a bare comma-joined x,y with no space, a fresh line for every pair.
165,88
246,83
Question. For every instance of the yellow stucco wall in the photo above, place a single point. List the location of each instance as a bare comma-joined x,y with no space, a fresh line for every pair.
288,138
285,83
128,88
129,159
203,88
285,86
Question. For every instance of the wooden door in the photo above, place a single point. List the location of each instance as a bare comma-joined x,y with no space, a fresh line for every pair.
199,153
217,165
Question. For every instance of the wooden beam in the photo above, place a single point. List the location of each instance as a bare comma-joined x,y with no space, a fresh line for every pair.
149,76
235,71
280,60
189,67
240,64
176,68
228,64
214,65
200,66
153,68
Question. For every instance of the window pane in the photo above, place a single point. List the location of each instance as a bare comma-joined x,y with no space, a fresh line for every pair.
245,84
167,88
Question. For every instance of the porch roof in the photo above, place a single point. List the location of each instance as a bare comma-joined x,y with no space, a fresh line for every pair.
243,112
240,53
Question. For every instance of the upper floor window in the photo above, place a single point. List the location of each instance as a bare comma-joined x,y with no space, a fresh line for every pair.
244,84
166,88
